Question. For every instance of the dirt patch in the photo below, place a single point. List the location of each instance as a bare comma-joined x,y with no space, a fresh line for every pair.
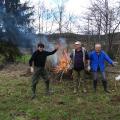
115,100
18,115
35,118
113,70
58,102
16,70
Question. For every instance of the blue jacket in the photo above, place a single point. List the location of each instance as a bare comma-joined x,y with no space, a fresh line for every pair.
96,61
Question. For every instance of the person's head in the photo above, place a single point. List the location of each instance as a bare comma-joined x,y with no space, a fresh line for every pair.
77,45
40,47
98,47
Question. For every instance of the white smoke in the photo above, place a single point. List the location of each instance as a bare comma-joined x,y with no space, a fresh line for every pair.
50,46
62,42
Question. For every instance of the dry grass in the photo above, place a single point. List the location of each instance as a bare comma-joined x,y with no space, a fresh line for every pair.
16,103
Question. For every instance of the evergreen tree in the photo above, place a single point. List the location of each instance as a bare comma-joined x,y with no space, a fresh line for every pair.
15,20
15,27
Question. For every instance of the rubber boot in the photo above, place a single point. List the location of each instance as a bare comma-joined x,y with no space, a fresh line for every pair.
47,87
95,85
33,91
105,86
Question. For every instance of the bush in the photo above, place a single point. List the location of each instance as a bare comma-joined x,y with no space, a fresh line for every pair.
23,58
9,51
2,59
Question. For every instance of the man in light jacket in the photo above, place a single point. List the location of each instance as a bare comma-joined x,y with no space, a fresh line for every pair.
79,58
97,63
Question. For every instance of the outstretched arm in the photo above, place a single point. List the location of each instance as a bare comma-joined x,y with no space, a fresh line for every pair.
54,51
51,53
108,59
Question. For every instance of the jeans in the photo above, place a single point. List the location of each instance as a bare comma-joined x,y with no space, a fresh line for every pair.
104,80
95,76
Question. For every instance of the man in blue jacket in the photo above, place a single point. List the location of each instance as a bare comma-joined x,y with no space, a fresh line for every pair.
97,63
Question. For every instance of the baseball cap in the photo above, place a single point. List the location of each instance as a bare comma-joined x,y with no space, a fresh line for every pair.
77,43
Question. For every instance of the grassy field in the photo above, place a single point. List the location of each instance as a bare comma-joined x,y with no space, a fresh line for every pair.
16,103
23,58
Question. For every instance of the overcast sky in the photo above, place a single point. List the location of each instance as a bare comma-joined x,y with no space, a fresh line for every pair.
74,7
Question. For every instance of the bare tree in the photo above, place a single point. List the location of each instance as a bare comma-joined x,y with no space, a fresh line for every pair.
44,18
41,10
56,19
58,14
106,18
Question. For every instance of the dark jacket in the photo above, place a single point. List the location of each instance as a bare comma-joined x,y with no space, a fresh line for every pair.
39,58
79,58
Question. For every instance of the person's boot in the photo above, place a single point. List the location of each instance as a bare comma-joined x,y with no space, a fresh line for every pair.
47,87
95,85
105,86
33,91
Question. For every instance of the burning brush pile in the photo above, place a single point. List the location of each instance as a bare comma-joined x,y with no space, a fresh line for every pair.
62,66
63,63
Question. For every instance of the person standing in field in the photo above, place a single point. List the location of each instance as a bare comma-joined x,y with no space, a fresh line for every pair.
38,60
79,58
97,63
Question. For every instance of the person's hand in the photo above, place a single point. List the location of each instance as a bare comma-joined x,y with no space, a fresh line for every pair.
31,69
114,64
57,46
88,68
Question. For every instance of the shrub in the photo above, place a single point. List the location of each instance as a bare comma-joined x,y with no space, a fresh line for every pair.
9,51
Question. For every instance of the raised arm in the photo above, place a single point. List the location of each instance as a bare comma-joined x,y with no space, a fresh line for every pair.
51,53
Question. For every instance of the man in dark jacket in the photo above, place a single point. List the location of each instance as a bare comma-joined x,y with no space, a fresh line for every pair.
38,59
80,59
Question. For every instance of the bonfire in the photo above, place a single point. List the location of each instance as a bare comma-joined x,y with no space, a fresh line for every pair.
63,64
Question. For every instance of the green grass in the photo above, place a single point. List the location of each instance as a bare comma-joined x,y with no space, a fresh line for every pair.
23,58
16,103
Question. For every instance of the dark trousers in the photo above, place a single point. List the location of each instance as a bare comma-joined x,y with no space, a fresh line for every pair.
95,79
40,73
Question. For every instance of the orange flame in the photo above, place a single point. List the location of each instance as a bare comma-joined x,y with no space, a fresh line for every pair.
64,62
